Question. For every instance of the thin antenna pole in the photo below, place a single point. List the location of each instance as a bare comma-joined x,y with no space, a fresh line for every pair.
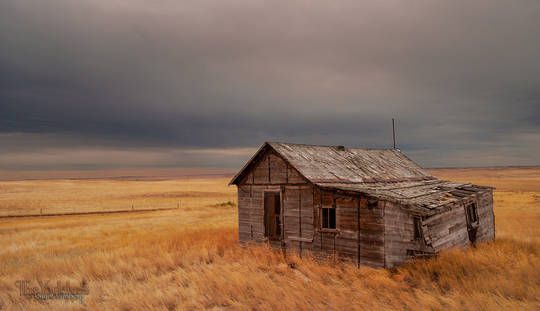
394,133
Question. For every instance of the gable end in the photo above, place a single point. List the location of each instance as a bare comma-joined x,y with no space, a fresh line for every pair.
267,166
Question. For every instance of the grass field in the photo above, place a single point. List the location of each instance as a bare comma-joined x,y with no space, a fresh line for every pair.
188,258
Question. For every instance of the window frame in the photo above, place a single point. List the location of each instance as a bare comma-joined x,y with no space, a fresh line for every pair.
330,223
471,211
417,223
331,215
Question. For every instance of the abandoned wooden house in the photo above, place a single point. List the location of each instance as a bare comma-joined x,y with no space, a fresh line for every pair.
374,207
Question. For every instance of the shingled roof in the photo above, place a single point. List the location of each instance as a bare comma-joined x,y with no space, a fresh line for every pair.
383,173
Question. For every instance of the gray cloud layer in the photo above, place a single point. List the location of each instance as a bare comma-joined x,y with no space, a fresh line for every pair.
461,77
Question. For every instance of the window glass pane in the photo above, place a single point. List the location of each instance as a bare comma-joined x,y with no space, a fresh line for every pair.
325,217
332,218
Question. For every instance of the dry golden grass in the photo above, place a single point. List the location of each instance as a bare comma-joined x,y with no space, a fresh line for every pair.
65,196
189,258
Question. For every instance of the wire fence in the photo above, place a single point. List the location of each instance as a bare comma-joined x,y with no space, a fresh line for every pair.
96,210
74,212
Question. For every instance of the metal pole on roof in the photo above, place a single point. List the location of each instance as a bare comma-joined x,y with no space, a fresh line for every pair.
393,133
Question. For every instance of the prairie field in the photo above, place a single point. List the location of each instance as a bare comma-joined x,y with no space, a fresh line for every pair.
188,258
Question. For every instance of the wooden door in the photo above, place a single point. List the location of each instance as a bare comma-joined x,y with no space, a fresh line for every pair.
272,215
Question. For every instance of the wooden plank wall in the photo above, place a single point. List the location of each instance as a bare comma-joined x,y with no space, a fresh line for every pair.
301,204
251,211
271,173
449,228
325,242
347,224
372,233
364,247
444,230
398,234
291,201
298,218
486,217
244,214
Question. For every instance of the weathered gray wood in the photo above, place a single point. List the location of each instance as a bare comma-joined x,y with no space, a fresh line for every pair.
278,169
376,195
295,238
260,171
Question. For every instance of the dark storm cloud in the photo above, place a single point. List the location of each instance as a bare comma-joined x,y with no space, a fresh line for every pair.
462,77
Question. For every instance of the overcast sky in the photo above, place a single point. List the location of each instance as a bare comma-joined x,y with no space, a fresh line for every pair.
96,84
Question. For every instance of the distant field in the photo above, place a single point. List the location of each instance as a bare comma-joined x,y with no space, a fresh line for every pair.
504,179
188,258
69,196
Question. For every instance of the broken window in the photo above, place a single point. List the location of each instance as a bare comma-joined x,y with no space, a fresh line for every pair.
472,221
328,218
472,213
372,203
417,228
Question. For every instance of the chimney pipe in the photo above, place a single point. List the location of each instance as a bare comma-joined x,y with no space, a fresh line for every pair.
393,133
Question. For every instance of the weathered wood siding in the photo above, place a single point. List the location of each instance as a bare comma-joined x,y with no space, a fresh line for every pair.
486,217
325,242
261,170
346,242
301,204
371,233
449,228
271,173
298,218
398,234
347,226
244,214
368,232
278,170
251,211
270,168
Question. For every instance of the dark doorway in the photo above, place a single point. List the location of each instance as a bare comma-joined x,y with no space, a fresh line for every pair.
471,212
272,215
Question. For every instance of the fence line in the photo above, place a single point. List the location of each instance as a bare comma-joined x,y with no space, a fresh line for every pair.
90,212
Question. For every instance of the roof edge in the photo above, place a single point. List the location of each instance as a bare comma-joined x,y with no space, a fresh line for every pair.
333,146
234,180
